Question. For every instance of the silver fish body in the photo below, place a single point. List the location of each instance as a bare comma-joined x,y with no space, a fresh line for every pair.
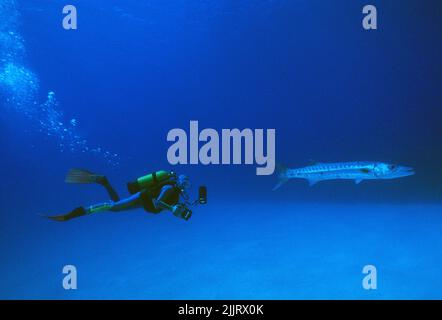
357,171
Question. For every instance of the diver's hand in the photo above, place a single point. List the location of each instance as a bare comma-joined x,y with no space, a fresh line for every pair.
177,209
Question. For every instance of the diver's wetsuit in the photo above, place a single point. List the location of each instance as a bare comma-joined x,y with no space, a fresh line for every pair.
153,201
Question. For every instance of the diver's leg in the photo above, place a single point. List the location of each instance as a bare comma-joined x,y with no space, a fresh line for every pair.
110,190
132,202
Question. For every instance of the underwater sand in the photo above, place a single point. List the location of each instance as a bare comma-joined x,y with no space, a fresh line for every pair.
305,251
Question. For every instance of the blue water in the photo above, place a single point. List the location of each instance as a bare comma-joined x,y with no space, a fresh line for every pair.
104,97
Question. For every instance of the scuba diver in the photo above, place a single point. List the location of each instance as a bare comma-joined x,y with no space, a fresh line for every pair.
154,192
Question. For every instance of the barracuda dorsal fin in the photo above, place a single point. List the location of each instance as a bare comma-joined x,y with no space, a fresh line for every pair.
312,182
358,181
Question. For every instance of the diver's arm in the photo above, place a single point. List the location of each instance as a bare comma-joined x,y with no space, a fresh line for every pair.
162,205
178,209
159,203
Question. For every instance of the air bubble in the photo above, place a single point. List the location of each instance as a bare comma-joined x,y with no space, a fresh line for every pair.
21,86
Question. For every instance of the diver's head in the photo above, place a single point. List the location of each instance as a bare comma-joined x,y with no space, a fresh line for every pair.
392,171
183,182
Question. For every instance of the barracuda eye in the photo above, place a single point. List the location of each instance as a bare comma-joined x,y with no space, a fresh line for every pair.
392,167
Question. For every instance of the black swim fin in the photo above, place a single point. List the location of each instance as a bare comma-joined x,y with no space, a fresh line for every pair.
83,176
78,212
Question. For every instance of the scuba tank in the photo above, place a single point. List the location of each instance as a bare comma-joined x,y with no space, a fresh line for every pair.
153,180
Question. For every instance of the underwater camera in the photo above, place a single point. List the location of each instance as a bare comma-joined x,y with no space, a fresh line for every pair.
184,211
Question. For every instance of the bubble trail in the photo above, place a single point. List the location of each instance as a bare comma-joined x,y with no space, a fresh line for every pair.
20,88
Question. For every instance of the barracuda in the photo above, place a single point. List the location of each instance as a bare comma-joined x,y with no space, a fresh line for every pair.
356,171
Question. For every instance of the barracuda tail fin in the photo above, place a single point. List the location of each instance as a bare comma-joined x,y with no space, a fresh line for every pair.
282,175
